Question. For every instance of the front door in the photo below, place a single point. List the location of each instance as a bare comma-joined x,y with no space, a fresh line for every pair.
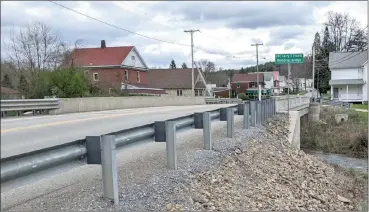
335,93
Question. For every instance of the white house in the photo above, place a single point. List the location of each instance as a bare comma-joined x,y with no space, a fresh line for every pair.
348,76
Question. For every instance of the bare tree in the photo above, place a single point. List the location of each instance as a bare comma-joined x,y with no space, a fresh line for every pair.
342,28
36,47
206,67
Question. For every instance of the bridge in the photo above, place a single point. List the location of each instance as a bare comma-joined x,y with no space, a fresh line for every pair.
33,145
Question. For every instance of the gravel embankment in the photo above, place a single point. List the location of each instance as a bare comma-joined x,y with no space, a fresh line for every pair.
254,171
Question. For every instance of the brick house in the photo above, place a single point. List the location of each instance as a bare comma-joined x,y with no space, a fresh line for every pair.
114,68
176,82
242,82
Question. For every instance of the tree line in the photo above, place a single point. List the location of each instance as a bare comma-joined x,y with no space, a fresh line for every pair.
35,64
341,33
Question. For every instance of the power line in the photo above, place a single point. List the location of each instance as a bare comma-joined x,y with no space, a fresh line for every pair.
129,31
117,27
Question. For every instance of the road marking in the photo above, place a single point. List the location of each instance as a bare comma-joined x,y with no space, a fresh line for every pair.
85,119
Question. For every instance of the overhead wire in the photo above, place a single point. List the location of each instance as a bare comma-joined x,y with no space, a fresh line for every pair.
132,32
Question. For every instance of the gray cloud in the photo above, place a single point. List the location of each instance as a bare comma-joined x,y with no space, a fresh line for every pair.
280,35
288,46
286,21
248,15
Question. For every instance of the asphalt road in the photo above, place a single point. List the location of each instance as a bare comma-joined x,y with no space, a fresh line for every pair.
26,134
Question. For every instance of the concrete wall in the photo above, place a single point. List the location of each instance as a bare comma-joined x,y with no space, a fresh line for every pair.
75,105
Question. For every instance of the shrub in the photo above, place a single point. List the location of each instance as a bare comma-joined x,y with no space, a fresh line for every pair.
243,96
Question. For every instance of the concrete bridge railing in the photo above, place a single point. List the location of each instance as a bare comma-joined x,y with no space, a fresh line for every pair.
296,102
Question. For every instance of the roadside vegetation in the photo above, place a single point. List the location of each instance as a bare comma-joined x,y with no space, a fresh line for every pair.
360,106
349,138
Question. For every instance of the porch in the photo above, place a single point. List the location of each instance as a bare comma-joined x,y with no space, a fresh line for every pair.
347,93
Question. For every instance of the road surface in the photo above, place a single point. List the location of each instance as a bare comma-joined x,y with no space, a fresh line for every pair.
26,134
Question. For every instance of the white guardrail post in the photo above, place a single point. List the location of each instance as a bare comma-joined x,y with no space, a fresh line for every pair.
230,122
207,130
171,144
109,168
246,115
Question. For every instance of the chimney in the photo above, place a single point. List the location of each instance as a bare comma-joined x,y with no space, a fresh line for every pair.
103,45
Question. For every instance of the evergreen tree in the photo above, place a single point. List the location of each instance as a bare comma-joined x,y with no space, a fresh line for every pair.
316,43
172,65
323,75
184,65
242,71
23,84
6,82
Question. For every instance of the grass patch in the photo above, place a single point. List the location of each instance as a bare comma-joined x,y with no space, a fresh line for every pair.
349,138
359,106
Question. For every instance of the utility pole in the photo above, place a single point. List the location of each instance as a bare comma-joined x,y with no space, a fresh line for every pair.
257,68
312,95
192,74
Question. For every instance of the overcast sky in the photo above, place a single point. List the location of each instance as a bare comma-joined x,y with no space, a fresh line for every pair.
227,28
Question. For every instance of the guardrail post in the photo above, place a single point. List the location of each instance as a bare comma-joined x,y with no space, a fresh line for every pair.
258,112
253,113
171,144
230,122
273,103
207,130
261,111
246,115
223,114
109,168
264,106
267,107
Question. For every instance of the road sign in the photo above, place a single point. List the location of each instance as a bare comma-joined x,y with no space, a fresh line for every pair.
289,58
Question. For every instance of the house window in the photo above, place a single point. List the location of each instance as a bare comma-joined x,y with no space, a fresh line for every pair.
125,75
198,92
179,92
138,76
133,57
95,76
253,84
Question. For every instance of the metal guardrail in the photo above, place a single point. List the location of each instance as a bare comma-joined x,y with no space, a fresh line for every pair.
101,149
28,163
341,104
22,105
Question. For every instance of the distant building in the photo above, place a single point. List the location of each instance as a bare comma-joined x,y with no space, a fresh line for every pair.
176,82
348,76
119,68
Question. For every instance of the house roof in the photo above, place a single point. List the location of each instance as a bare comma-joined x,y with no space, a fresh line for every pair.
172,78
218,78
101,56
5,90
249,77
342,60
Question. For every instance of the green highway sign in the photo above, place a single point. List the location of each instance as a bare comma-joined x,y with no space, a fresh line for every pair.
289,58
